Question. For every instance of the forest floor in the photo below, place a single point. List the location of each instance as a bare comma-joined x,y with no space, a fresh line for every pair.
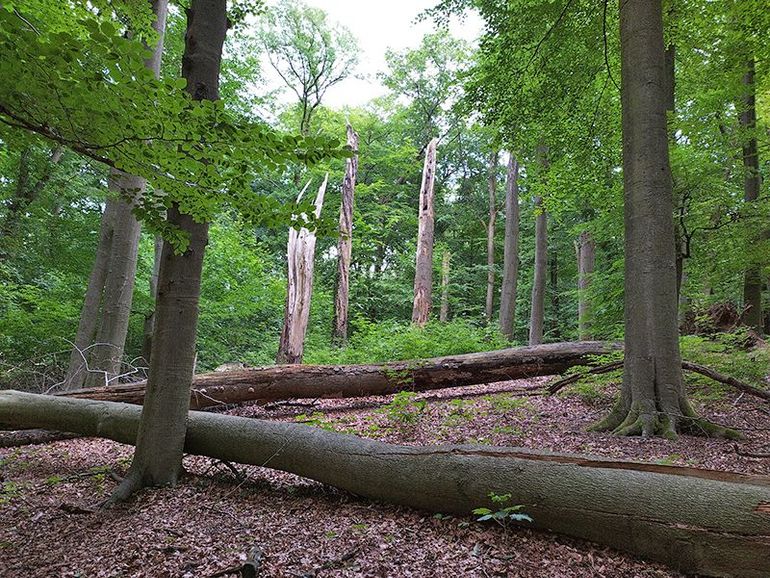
50,527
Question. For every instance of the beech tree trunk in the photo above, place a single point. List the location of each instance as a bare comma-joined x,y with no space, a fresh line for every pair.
149,320
698,521
652,400
106,354
89,314
161,433
445,261
586,257
510,251
299,290
96,357
342,381
345,243
492,190
752,281
423,273
537,315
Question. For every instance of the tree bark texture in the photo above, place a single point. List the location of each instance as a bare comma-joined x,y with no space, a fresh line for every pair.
160,436
698,521
652,399
586,257
492,190
89,314
445,263
343,381
299,290
752,280
345,243
510,251
423,274
110,322
537,315
149,319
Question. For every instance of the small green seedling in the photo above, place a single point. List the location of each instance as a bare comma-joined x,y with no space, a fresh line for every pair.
505,514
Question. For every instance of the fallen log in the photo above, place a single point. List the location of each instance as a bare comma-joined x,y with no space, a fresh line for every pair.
697,521
284,382
741,386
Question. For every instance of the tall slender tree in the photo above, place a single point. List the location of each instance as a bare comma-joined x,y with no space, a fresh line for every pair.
492,218
510,251
652,399
423,274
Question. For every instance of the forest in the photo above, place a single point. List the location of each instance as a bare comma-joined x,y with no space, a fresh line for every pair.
306,288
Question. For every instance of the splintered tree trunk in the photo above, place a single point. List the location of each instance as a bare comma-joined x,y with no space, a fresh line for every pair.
345,243
341,381
161,434
299,290
652,400
445,260
511,251
752,281
586,256
115,293
423,273
697,521
537,316
492,189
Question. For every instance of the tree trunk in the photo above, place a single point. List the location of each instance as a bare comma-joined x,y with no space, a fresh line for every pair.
89,314
652,399
423,274
697,521
149,319
299,290
511,251
752,281
115,293
445,260
586,256
345,244
106,354
492,190
537,315
24,195
342,381
161,433
553,269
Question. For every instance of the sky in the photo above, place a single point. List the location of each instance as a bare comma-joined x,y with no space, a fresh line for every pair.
378,25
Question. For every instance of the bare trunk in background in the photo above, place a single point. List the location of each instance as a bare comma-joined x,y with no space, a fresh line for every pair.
586,258
423,274
510,251
492,190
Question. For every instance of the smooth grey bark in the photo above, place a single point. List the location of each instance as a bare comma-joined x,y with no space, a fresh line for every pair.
105,348
492,218
89,313
537,314
697,521
510,251
423,273
652,399
299,286
149,319
345,243
553,281
445,262
341,381
106,353
586,258
752,279
160,437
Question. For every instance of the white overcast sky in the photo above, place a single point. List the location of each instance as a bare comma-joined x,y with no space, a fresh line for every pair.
379,25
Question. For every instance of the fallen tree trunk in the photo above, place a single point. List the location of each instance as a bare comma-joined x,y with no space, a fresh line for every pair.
283,382
698,521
